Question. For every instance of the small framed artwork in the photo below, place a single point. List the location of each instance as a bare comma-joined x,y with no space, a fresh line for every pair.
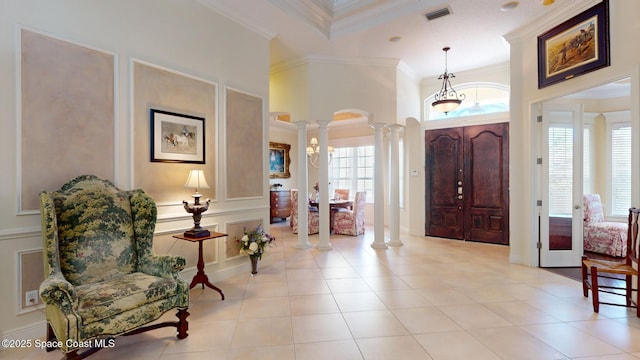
279,160
575,47
176,137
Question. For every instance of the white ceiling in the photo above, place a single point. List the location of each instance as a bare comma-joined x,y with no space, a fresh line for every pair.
361,29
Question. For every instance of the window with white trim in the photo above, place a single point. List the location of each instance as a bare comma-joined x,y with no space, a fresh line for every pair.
588,160
561,167
480,99
619,138
353,168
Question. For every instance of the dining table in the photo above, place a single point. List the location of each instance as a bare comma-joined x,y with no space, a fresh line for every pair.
334,206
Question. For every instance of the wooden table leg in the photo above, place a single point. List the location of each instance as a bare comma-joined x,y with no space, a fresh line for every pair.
201,277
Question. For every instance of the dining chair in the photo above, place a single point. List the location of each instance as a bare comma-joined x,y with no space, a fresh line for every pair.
606,276
351,222
314,218
341,194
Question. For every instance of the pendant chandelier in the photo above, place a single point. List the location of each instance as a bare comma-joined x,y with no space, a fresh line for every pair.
447,99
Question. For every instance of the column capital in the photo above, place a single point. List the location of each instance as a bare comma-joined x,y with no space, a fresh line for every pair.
395,126
323,123
301,125
377,125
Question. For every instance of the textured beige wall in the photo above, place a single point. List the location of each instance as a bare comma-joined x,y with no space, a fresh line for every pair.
67,114
184,36
156,88
32,270
236,232
245,152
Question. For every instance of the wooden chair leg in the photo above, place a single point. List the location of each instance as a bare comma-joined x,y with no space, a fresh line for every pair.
638,298
585,278
51,338
594,289
183,324
629,290
73,355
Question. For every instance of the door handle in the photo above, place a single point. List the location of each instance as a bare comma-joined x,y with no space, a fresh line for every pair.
577,207
459,197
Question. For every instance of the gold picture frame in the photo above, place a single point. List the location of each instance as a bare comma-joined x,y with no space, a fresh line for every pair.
279,160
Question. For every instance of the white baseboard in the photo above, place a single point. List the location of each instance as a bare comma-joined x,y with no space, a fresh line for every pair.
36,330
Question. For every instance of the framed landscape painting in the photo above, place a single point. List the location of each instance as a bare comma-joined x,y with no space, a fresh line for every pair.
575,47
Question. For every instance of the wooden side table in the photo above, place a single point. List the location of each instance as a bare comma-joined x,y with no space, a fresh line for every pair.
201,277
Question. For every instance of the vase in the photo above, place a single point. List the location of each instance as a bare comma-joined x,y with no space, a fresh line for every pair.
254,264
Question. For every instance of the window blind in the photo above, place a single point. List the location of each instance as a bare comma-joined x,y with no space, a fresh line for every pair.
620,169
560,169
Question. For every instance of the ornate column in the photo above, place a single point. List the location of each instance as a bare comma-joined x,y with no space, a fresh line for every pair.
394,187
323,183
378,185
303,188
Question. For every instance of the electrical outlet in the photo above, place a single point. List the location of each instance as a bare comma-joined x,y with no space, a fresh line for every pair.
31,298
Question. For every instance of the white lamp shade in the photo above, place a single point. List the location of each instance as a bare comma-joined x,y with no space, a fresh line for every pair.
196,180
446,105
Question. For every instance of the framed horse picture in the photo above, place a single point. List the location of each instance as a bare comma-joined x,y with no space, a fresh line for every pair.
575,47
176,137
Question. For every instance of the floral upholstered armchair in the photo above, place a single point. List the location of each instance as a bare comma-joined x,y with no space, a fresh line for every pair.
604,237
351,222
314,218
101,277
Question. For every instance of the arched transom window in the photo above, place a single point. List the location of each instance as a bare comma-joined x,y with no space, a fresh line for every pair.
481,98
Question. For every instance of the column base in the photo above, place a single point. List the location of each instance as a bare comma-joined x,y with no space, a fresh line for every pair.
395,243
375,245
324,247
303,246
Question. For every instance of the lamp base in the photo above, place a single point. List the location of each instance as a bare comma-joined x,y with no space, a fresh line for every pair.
197,233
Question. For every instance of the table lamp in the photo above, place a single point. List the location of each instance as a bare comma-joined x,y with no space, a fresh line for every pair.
196,181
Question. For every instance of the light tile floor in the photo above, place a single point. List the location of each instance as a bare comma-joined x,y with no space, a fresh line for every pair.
428,299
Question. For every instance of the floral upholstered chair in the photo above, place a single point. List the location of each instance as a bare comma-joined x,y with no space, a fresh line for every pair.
351,222
341,194
314,218
101,276
604,237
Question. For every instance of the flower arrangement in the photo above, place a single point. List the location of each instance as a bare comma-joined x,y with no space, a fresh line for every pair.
316,187
255,242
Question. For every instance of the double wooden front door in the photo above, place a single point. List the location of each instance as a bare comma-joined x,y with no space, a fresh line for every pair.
467,183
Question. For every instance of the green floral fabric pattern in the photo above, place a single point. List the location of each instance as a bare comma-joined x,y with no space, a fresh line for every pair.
95,232
105,299
101,276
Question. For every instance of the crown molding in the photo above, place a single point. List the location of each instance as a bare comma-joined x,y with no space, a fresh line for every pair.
291,64
377,14
317,13
547,22
235,16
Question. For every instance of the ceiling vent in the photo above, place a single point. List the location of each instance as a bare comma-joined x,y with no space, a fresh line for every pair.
437,14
